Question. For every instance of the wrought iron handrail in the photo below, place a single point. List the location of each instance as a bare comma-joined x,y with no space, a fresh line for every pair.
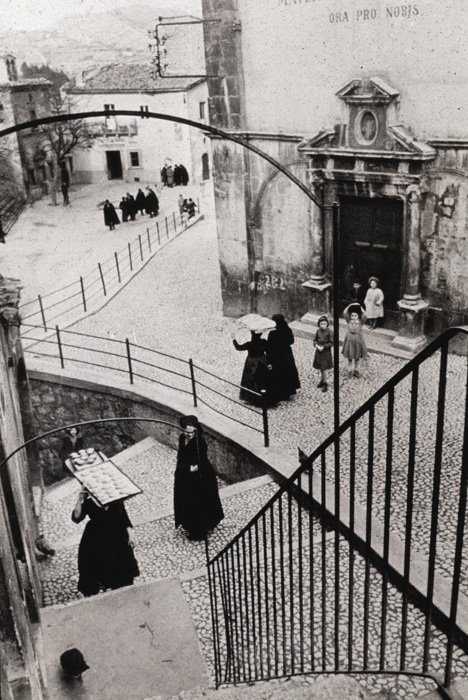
133,364
265,582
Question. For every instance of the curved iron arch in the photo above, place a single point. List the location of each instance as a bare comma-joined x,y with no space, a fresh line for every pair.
163,117
245,144
95,421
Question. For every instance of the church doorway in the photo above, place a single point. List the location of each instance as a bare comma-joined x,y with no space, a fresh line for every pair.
372,237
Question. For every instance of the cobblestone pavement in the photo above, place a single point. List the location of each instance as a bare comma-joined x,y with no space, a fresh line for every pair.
162,551
176,308
174,305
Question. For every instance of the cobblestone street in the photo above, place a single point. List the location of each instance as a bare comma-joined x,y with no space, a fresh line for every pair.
174,305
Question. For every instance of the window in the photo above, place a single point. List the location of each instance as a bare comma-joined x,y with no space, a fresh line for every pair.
32,177
109,108
134,159
32,114
2,117
202,109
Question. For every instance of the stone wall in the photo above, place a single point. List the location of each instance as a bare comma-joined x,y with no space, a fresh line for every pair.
20,589
59,400
223,52
444,234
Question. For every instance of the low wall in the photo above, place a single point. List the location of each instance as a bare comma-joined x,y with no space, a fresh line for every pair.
61,399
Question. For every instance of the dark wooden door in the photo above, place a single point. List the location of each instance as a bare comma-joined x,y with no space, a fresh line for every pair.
371,244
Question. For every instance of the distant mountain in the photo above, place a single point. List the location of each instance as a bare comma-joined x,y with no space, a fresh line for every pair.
80,42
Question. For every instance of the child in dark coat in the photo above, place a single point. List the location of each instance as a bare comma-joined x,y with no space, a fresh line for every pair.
323,343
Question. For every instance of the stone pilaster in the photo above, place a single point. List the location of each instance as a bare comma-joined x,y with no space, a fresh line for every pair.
412,307
318,283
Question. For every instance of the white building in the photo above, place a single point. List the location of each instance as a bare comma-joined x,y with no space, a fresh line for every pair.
135,149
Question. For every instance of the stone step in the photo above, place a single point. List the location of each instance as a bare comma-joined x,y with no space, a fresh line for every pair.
161,550
297,688
379,340
151,465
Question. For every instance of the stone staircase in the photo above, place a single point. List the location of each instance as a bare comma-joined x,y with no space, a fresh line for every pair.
157,634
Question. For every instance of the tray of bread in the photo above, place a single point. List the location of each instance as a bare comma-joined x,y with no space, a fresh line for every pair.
102,478
84,458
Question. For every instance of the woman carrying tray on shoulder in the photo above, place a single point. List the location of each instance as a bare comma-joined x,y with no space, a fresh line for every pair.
105,555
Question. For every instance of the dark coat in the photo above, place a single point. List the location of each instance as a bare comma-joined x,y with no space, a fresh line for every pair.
105,557
164,175
110,215
151,203
191,209
256,375
140,200
284,377
177,175
197,506
184,176
132,206
124,207
323,358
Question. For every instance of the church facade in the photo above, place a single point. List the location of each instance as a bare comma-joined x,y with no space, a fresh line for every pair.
369,107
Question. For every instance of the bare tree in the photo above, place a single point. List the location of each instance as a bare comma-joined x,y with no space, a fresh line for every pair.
61,138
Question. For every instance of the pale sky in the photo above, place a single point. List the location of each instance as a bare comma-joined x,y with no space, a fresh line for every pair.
40,14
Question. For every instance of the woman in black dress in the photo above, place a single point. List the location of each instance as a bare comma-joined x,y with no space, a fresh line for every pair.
197,506
105,554
284,378
110,215
256,374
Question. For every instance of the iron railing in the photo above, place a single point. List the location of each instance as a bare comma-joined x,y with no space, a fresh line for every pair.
356,564
137,362
105,279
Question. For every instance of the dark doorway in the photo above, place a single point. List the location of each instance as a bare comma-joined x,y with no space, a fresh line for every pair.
372,236
205,167
114,165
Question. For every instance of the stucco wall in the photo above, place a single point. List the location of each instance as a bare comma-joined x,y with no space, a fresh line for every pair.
157,141
298,53
261,215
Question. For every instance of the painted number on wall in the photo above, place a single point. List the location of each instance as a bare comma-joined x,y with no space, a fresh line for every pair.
267,282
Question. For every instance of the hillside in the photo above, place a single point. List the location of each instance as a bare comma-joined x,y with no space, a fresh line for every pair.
76,43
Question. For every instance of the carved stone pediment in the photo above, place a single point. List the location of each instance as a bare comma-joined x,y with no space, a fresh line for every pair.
369,128
371,91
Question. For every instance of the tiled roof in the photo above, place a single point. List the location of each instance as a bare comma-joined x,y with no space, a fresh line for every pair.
126,77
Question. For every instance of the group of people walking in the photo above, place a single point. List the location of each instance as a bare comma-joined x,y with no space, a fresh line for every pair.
187,207
270,373
174,176
142,203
